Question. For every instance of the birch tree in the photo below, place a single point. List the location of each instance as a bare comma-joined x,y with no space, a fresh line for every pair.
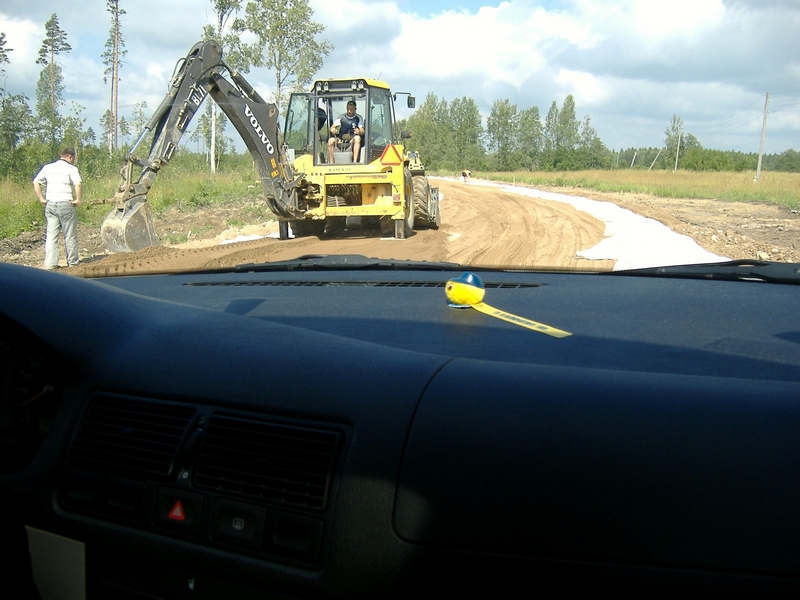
502,127
287,42
223,11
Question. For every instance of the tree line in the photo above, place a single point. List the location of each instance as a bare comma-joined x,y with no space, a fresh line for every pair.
450,136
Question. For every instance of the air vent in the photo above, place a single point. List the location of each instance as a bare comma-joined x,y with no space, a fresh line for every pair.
130,436
379,284
266,461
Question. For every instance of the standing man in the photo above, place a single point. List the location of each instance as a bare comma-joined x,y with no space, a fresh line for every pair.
60,178
349,123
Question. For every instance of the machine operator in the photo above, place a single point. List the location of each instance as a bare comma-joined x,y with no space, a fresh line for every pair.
351,124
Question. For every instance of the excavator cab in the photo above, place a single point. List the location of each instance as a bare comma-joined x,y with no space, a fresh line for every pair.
342,187
310,116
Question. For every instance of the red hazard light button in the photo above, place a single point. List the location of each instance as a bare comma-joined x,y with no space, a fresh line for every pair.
177,514
178,510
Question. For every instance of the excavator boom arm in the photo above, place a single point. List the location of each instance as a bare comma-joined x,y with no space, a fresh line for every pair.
129,225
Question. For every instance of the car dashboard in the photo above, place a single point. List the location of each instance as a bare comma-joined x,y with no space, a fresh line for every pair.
345,432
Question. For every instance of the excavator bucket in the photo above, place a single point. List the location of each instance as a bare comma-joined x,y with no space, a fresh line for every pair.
129,229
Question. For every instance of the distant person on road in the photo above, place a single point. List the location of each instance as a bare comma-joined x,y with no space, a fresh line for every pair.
465,174
60,178
347,124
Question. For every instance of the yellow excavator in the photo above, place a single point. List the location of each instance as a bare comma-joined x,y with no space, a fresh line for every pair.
312,177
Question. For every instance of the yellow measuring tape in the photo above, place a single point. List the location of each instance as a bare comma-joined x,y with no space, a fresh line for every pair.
468,290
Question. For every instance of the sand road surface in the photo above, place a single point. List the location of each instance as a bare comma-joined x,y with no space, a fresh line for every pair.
481,226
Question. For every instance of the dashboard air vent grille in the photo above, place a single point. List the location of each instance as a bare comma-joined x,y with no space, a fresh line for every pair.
270,462
118,434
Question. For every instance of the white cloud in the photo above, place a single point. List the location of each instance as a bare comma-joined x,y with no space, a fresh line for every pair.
585,87
669,17
21,35
23,38
157,71
508,43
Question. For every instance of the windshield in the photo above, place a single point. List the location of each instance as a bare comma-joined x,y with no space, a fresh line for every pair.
582,137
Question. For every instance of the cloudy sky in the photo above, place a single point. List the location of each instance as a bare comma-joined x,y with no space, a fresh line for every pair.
630,64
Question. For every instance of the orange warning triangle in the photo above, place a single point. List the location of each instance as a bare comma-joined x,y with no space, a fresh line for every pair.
177,514
391,156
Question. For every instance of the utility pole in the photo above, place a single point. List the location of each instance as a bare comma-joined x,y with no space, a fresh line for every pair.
655,159
678,150
763,135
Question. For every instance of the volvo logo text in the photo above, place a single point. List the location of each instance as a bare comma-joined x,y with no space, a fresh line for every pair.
257,128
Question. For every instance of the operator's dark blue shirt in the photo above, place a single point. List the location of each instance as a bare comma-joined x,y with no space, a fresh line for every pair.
348,124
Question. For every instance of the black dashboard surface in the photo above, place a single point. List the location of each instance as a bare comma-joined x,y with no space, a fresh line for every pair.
655,447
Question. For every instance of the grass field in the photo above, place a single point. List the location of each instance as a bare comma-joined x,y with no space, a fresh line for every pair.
185,187
772,187
189,185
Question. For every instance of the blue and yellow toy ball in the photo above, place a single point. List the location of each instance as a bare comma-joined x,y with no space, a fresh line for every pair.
464,291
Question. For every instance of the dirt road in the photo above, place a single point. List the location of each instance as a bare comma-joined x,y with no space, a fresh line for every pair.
480,226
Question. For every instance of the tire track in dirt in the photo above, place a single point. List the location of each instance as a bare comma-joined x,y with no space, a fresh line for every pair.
481,226
488,227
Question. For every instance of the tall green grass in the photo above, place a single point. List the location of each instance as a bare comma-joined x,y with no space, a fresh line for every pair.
20,210
772,187
185,184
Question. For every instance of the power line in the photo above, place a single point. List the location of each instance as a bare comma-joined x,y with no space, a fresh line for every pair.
745,115
795,91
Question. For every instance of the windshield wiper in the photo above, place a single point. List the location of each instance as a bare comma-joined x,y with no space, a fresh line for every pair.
734,270
324,262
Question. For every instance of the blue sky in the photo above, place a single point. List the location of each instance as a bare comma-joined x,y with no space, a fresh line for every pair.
630,64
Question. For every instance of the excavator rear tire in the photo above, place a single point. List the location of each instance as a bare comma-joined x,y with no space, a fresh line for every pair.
426,210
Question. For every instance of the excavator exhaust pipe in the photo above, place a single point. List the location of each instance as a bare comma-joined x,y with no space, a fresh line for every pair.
129,229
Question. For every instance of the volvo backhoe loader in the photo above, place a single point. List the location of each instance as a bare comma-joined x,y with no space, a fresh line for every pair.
384,185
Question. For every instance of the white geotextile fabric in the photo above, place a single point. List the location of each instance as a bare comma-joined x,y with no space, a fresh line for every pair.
632,240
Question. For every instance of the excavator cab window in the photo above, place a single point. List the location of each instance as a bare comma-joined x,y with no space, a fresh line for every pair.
379,131
310,117
299,129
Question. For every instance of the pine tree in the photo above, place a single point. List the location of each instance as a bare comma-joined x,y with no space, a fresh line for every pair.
50,85
55,42
112,59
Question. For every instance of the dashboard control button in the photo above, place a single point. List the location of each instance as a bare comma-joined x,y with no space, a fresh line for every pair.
236,523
